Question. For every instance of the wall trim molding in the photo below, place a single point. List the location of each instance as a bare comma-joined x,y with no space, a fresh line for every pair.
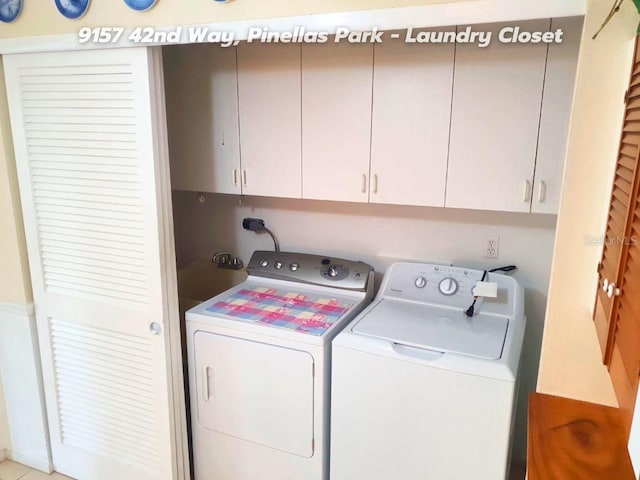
24,309
435,15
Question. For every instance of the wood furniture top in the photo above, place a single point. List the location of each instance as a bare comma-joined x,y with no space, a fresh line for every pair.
570,440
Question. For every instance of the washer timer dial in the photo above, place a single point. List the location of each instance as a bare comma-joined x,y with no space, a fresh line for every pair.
421,282
448,286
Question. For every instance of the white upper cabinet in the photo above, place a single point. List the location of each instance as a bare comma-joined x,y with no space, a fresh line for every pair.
336,120
411,112
438,124
269,98
556,109
494,122
202,107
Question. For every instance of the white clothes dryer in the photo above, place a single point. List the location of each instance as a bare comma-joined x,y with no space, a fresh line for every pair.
259,359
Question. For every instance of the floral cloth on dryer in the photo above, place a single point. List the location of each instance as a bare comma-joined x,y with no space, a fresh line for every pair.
291,310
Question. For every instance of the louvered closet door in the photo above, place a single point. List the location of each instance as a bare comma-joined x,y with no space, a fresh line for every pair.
624,366
617,229
624,329
91,153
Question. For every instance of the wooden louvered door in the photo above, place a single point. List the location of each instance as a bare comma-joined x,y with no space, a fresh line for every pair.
617,310
90,140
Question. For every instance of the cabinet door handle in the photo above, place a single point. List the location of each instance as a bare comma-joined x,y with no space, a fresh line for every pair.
244,178
206,394
542,192
375,183
364,183
526,191
235,177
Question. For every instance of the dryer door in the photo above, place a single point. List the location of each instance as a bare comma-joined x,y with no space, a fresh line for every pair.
255,391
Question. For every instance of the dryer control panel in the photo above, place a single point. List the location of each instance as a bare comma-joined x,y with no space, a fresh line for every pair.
312,269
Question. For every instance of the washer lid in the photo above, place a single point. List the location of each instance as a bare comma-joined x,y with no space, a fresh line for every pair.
433,328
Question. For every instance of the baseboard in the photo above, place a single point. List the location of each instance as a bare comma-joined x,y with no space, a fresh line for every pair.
41,464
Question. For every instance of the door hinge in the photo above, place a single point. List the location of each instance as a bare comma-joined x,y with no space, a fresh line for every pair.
599,267
626,96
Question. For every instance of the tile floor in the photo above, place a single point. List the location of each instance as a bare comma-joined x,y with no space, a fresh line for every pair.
14,471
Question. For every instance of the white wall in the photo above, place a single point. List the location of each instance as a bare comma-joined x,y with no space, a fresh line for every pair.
5,439
368,232
23,389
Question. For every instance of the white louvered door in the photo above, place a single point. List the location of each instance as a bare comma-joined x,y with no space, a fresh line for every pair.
90,141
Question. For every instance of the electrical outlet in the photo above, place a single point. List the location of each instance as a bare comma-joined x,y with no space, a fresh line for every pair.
491,246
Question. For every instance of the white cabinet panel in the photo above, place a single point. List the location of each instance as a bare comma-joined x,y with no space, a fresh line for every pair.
494,122
270,119
255,392
556,110
336,120
411,112
202,110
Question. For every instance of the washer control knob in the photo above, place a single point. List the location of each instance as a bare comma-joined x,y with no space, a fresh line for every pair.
264,263
421,282
448,286
278,264
332,272
293,267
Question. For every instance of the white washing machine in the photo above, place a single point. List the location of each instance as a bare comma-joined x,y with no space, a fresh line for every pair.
259,366
420,390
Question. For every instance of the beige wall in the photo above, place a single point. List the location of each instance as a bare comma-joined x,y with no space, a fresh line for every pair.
15,283
570,363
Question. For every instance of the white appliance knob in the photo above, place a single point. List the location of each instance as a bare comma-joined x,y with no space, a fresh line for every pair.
332,272
421,282
448,286
278,265
264,263
293,267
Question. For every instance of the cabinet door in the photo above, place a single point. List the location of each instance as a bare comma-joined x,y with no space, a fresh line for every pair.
559,81
90,142
202,107
497,91
270,119
336,120
411,111
623,220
